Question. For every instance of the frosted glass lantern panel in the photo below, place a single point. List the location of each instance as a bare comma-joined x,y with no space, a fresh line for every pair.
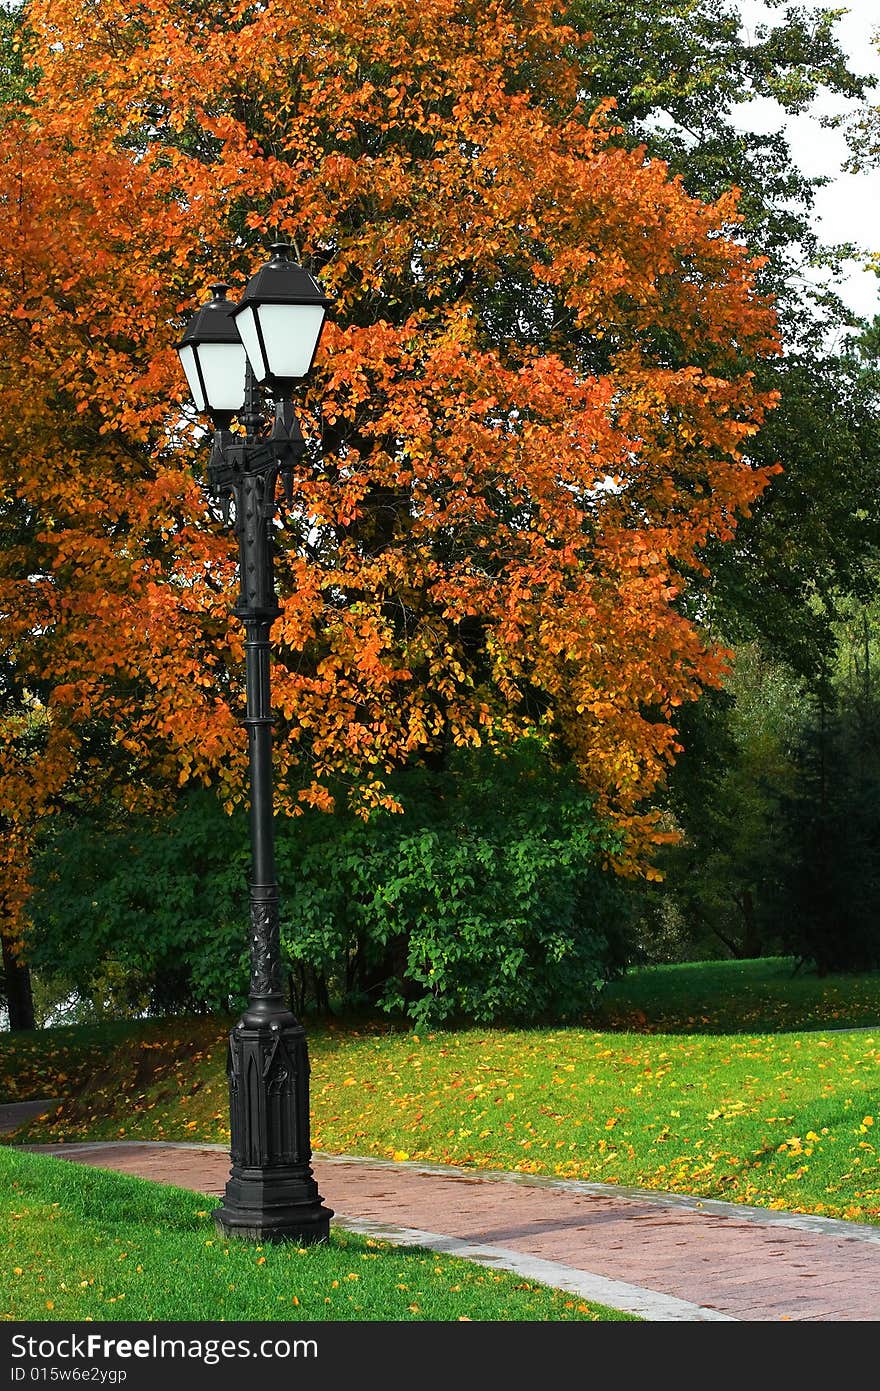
188,363
223,368
290,335
247,332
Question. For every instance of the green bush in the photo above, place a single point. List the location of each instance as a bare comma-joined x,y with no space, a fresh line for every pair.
141,917
486,900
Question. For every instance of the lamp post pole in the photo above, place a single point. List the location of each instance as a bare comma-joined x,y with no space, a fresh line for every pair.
271,1194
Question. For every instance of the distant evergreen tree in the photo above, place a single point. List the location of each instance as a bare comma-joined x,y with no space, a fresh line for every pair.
830,893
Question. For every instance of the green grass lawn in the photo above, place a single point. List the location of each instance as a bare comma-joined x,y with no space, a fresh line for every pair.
80,1243
782,1121
716,997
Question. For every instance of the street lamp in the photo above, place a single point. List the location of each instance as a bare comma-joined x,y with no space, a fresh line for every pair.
226,351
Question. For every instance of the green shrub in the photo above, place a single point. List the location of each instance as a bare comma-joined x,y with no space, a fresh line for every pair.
143,917
486,900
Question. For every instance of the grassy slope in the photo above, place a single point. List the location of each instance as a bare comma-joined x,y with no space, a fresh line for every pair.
785,1121
79,1243
59,1062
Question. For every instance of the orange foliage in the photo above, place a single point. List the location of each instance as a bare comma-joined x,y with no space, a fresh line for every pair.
532,400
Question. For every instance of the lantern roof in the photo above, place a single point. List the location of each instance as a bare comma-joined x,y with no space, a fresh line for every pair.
281,281
212,322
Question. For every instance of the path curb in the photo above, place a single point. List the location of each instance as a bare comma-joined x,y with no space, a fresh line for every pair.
616,1294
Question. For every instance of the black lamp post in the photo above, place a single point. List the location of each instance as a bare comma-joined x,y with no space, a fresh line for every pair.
227,350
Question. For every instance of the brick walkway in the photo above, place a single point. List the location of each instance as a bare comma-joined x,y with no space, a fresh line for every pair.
742,1263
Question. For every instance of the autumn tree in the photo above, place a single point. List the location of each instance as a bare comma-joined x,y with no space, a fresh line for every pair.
527,420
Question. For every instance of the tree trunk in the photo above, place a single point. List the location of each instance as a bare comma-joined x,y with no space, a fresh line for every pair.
19,997
733,947
752,938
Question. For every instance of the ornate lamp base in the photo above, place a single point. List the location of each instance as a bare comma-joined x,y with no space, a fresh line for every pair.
271,1194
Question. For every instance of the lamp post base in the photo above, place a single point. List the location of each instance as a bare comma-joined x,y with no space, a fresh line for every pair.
304,1223
271,1194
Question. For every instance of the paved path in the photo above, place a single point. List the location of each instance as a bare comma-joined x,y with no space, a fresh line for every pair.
15,1113
659,1255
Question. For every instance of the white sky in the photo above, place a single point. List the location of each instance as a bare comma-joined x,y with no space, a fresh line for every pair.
848,208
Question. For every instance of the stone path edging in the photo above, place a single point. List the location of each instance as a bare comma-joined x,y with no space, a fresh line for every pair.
616,1294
